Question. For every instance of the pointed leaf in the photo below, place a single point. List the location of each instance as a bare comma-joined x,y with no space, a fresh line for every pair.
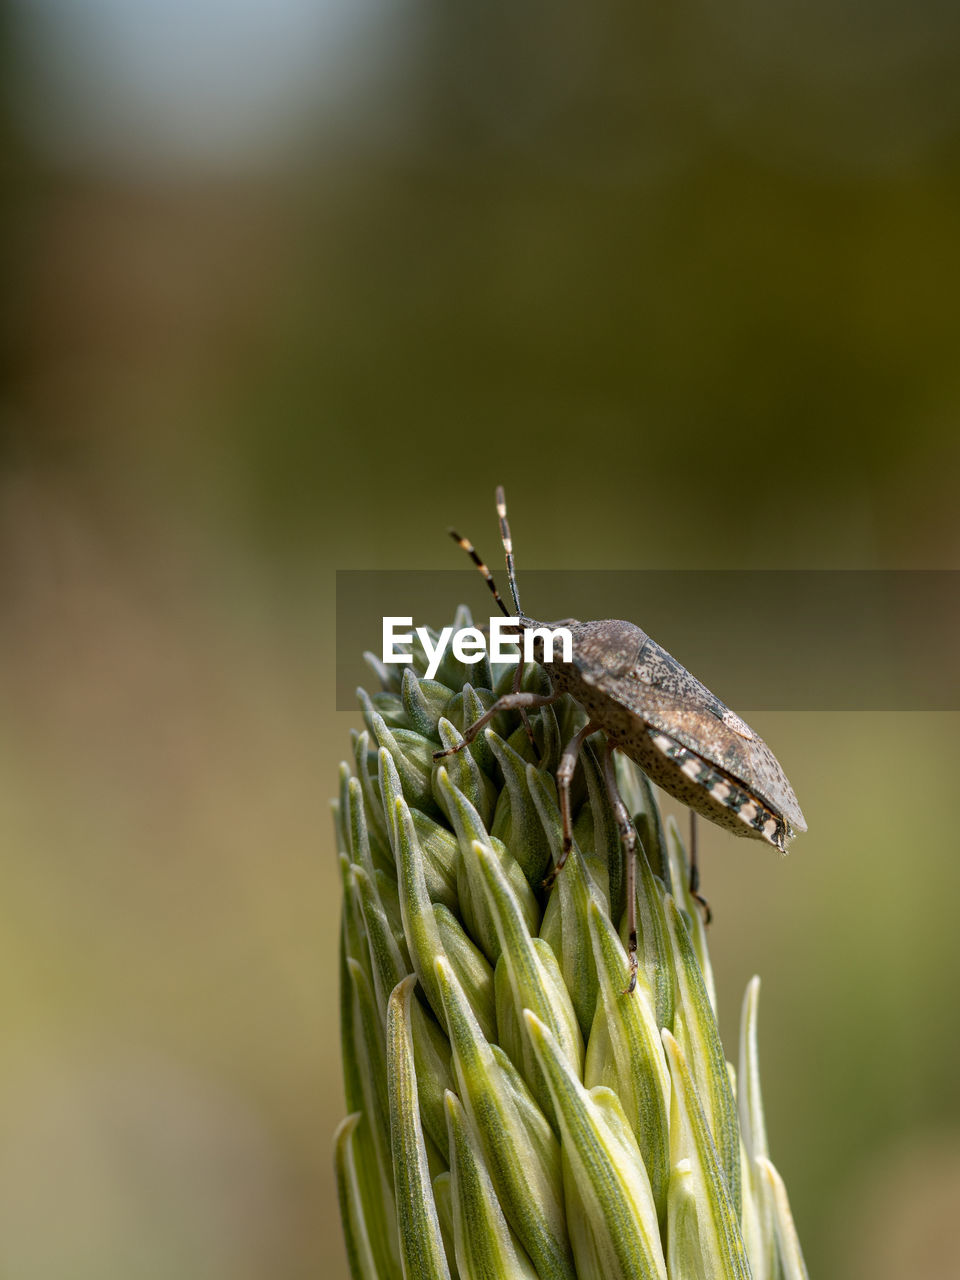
723,1256
516,820
695,1027
421,1244
523,1159
465,774
626,1054
791,1257
424,702
486,1247
601,1157
691,910
472,896
534,977
566,927
388,960
358,1231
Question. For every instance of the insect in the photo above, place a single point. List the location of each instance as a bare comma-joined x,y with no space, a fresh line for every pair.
651,708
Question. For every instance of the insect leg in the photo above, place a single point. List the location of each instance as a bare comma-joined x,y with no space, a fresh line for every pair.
509,702
695,872
628,837
518,676
565,772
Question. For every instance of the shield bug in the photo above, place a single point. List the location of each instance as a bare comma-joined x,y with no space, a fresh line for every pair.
651,708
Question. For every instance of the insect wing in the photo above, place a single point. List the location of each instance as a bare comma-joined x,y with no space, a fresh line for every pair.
661,692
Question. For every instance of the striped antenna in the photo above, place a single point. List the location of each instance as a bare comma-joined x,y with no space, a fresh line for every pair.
487,575
488,578
508,548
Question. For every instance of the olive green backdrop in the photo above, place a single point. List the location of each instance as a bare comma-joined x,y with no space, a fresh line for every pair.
686,282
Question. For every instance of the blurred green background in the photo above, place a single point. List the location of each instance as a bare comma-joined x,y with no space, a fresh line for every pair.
287,288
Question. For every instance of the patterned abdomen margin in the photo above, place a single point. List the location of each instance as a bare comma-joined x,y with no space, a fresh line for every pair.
724,789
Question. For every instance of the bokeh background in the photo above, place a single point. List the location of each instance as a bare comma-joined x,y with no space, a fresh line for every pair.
287,288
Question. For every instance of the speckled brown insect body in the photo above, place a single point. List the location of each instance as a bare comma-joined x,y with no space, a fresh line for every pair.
679,733
651,708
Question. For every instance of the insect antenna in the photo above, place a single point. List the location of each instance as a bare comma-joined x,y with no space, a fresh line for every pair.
471,551
508,548
488,578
